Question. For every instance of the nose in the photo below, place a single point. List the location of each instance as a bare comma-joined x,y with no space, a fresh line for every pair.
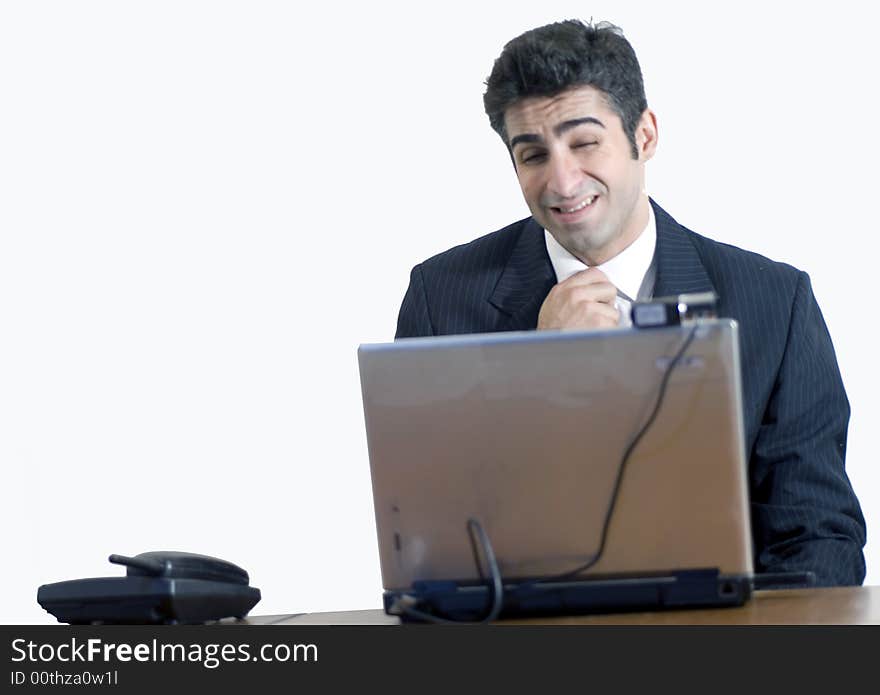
565,175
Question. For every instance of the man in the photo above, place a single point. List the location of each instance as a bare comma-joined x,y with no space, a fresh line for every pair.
568,101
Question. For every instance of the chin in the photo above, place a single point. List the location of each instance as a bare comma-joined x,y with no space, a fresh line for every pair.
585,243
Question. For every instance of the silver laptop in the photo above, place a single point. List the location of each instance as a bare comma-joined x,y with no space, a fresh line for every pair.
526,433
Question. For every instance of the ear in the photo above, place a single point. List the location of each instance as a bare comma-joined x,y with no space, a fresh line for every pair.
646,135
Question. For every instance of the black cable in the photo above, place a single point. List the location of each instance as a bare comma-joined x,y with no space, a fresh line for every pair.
661,393
476,547
405,605
494,570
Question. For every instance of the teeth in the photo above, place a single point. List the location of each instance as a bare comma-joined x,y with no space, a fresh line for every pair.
584,204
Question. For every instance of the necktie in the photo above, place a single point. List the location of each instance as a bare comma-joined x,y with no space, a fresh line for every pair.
624,304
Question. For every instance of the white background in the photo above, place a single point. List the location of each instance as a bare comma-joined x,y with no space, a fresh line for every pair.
206,206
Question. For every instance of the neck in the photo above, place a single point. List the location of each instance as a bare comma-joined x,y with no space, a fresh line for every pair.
632,229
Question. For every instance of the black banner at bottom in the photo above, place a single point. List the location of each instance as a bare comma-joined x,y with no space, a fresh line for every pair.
146,658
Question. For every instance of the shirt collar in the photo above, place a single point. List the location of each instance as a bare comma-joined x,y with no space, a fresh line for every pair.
625,271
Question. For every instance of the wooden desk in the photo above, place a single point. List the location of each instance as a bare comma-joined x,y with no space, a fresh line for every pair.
837,606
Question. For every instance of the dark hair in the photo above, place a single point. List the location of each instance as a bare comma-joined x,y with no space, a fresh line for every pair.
548,60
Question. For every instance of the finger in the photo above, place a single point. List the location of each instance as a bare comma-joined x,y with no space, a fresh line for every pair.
589,315
603,292
603,315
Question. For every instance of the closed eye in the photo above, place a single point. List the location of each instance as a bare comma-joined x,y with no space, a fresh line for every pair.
533,157
581,145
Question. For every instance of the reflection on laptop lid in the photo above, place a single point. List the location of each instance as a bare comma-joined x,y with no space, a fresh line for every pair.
526,435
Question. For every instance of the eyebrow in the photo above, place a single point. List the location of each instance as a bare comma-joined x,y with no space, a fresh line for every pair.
557,130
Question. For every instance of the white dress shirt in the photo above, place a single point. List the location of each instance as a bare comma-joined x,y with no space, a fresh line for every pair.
627,271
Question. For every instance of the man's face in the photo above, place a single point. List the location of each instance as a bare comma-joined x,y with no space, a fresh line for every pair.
577,172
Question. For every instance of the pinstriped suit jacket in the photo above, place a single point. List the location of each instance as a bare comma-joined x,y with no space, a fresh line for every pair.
805,515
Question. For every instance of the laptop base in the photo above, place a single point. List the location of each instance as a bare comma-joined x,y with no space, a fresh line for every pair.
451,600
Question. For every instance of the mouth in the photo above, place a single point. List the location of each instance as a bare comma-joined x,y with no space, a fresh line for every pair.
575,211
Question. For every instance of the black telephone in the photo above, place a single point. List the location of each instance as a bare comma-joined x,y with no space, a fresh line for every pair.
164,587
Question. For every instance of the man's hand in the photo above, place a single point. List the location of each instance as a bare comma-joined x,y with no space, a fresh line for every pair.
585,300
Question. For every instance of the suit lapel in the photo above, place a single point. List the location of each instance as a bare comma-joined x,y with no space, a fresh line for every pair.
528,276
679,267
525,281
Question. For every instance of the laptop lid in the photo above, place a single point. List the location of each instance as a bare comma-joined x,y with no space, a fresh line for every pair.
525,432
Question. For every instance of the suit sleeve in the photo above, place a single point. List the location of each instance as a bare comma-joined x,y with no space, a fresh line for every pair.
805,513
413,320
